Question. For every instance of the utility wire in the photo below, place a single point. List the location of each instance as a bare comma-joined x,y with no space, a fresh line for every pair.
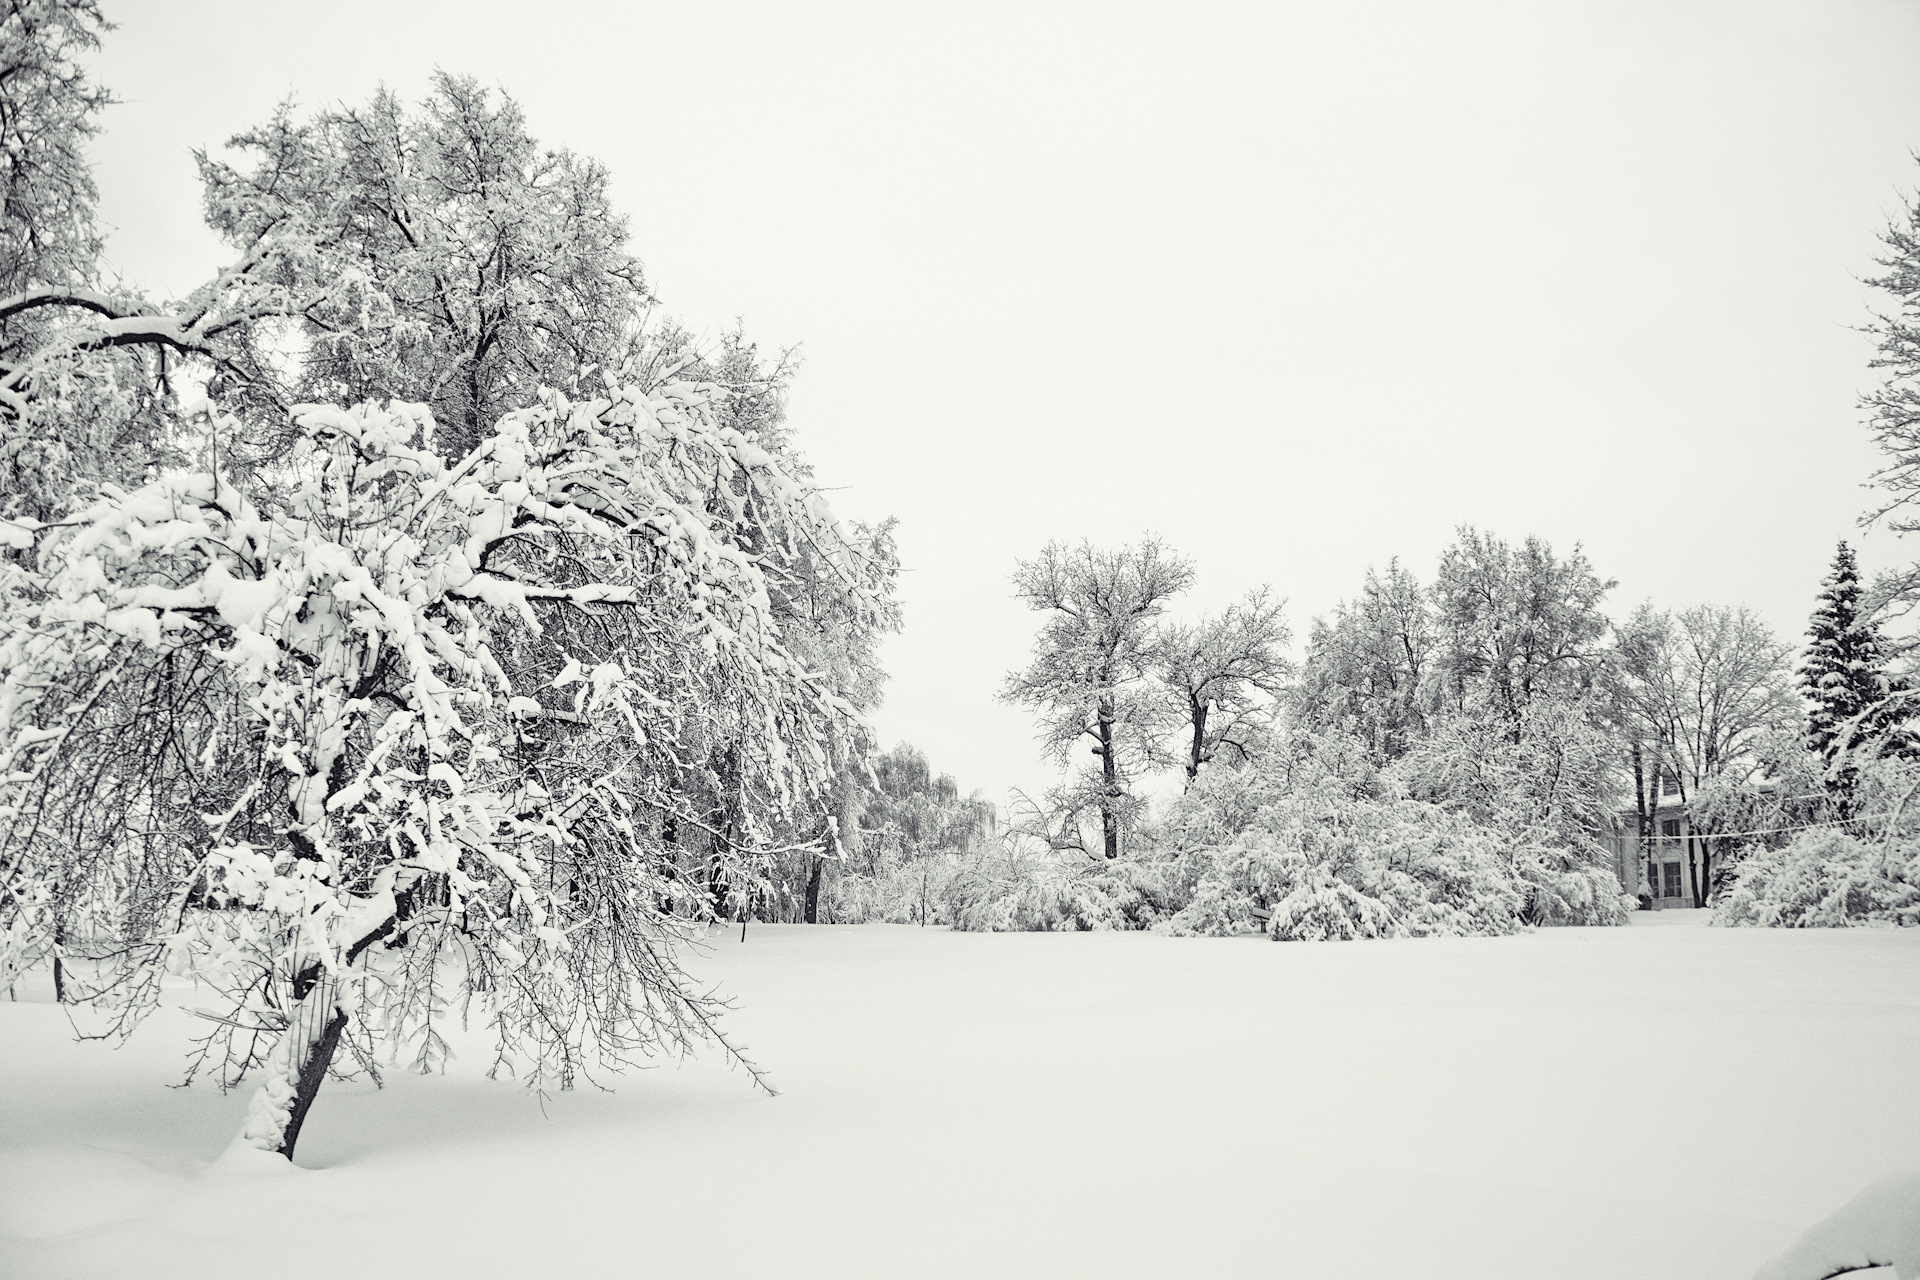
1780,831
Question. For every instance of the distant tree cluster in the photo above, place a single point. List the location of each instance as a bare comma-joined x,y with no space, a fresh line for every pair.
1112,677
1464,756
1443,764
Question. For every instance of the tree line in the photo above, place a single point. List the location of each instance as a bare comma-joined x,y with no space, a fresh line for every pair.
1499,695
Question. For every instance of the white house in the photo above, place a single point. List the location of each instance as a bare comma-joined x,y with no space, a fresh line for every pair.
1663,878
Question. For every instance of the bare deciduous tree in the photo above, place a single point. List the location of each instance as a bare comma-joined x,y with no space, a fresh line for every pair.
1223,674
1092,675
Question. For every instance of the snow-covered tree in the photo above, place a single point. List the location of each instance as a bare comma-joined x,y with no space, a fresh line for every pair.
833,624
1372,666
84,364
1092,676
1516,624
1547,787
1893,409
47,232
1836,875
462,265
1223,675
1640,706
398,809
350,721
1696,695
914,826
1844,678
1312,842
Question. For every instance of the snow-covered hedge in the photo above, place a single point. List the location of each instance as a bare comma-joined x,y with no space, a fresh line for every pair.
1313,841
1825,878
914,893
1030,892
1322,866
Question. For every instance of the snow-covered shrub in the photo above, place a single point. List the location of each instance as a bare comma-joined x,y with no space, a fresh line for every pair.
912,830
1326,863
1825,878
1314,840
896,893
1022,890
1545,783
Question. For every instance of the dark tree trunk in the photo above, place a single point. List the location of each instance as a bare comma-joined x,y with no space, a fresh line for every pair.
1198,755
1644,832
718,890
59,970
670,838
1109,783
312,1072
813,888
1693,847
727,823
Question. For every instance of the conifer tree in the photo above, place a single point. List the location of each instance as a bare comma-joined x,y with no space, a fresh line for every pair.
1844,677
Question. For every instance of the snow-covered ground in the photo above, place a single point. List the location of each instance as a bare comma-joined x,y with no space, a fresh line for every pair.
1659,1101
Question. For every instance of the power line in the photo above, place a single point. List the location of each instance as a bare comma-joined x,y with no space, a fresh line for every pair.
1778,831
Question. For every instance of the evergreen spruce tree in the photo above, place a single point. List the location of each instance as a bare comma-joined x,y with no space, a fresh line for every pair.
1844,676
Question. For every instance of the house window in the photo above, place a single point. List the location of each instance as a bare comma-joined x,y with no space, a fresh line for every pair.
1669,784
1671,828
1670,880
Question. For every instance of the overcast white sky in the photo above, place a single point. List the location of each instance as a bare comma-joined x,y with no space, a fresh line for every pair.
1298,287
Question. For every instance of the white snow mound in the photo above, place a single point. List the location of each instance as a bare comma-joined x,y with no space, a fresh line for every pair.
1880,1227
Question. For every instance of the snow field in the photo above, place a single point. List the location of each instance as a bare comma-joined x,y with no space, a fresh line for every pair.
1657,1101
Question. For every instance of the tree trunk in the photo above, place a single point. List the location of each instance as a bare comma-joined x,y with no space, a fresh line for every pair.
1693,856
1644,844
813,889
1697,863
59,972
297,1065
670,838
1110,784
314,1070
727,824
1197,757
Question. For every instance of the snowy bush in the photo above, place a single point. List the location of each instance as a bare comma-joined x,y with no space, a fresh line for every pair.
1016,889
1326,864
1825,878
855,891
1313,840
1545,784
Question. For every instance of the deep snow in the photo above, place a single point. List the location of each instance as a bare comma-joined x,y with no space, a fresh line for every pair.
1665,1100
